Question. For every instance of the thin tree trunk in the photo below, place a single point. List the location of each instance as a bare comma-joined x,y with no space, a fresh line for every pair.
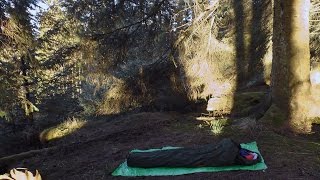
29,109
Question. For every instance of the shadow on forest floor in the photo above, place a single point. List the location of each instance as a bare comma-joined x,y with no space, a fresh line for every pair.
96,149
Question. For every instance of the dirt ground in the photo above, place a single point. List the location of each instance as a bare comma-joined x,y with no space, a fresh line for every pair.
97,149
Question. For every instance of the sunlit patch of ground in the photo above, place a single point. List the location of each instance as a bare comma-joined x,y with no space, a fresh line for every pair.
215,124
65,128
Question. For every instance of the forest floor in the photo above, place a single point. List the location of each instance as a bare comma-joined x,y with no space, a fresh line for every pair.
103,143
100,146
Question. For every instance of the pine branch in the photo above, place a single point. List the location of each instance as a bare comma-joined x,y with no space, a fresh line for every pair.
154,11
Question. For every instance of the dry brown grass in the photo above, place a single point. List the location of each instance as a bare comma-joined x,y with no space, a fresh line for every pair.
119,98
65,128
208,63
114,99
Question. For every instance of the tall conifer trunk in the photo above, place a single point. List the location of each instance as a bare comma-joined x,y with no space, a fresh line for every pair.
291,61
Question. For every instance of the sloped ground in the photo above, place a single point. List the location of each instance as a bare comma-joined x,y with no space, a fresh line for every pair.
97,149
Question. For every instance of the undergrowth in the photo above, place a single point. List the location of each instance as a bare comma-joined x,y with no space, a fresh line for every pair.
65,128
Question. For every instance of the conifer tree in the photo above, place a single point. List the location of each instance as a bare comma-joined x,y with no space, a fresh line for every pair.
17,55
58,52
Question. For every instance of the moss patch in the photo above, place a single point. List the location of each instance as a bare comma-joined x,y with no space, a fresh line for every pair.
243,102
3,114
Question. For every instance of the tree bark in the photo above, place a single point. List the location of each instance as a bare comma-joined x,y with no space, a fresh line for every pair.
291,61
24,68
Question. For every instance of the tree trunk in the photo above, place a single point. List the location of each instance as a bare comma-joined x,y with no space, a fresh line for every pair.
291,61
26,89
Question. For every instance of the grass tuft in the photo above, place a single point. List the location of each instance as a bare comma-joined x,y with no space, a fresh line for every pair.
65,128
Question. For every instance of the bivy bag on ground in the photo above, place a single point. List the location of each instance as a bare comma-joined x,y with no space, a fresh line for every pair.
238,164
224,153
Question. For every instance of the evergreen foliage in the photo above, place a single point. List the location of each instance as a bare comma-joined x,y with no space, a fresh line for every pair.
17,56
58,53
115,56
